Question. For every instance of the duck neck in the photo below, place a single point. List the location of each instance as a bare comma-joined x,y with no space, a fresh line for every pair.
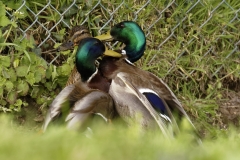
135,48
86,67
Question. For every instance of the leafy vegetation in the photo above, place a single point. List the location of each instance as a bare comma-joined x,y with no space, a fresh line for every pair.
193,46
25,74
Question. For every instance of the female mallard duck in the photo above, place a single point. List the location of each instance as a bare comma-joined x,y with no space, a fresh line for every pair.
85,97
76,34
135,90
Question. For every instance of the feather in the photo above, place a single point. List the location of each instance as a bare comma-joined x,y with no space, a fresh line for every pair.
56,105
83,98
139,102
151,91
94,102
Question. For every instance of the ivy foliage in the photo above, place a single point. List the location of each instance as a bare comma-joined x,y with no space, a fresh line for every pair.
23,74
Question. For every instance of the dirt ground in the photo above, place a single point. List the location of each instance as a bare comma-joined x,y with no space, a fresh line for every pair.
229,108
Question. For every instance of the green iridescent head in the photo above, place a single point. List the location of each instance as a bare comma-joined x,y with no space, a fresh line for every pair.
131,34
89,49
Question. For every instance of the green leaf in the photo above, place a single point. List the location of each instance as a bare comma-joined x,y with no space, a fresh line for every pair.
26,60
54,73
69,12
38,77
2,81
41,100
12,75
14,24
54,85
2,9
56,45
43,80
4,21
62,80
13,4
8,86
1,92
5,60
65,69
11,106
16,63
30,78
66,52
48,85
23,88
22,71
34,57
26,53
3,102
49,72
5,73
25,43
25,104
59,35
18,103
11,98
15,108
35,91
40,73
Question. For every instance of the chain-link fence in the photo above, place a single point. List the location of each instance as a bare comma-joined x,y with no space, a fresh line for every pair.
207,26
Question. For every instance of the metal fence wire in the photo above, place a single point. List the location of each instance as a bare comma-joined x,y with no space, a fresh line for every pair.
191,24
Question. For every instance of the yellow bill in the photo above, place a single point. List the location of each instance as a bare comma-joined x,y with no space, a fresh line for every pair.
105,37
112,53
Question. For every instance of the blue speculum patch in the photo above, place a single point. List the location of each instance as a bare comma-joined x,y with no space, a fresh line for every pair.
156,102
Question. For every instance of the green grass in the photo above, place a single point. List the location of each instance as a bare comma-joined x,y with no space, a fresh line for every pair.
191,76
111,142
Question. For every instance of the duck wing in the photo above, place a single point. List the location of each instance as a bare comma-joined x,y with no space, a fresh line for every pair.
94,102
131,99
56,106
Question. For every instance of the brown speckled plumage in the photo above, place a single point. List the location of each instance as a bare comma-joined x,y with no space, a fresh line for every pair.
80,100
76,34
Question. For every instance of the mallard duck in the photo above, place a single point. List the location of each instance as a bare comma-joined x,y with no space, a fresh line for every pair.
87,96
134,90
76,34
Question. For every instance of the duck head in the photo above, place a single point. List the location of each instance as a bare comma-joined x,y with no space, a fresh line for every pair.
131,34
76,34
89,49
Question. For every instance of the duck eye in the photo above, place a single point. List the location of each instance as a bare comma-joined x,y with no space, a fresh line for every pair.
121,25
95,43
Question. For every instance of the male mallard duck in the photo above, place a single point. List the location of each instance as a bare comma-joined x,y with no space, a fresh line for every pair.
135,90
85,97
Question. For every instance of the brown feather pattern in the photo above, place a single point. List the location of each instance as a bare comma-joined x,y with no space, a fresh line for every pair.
84,99
137,79
76,34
